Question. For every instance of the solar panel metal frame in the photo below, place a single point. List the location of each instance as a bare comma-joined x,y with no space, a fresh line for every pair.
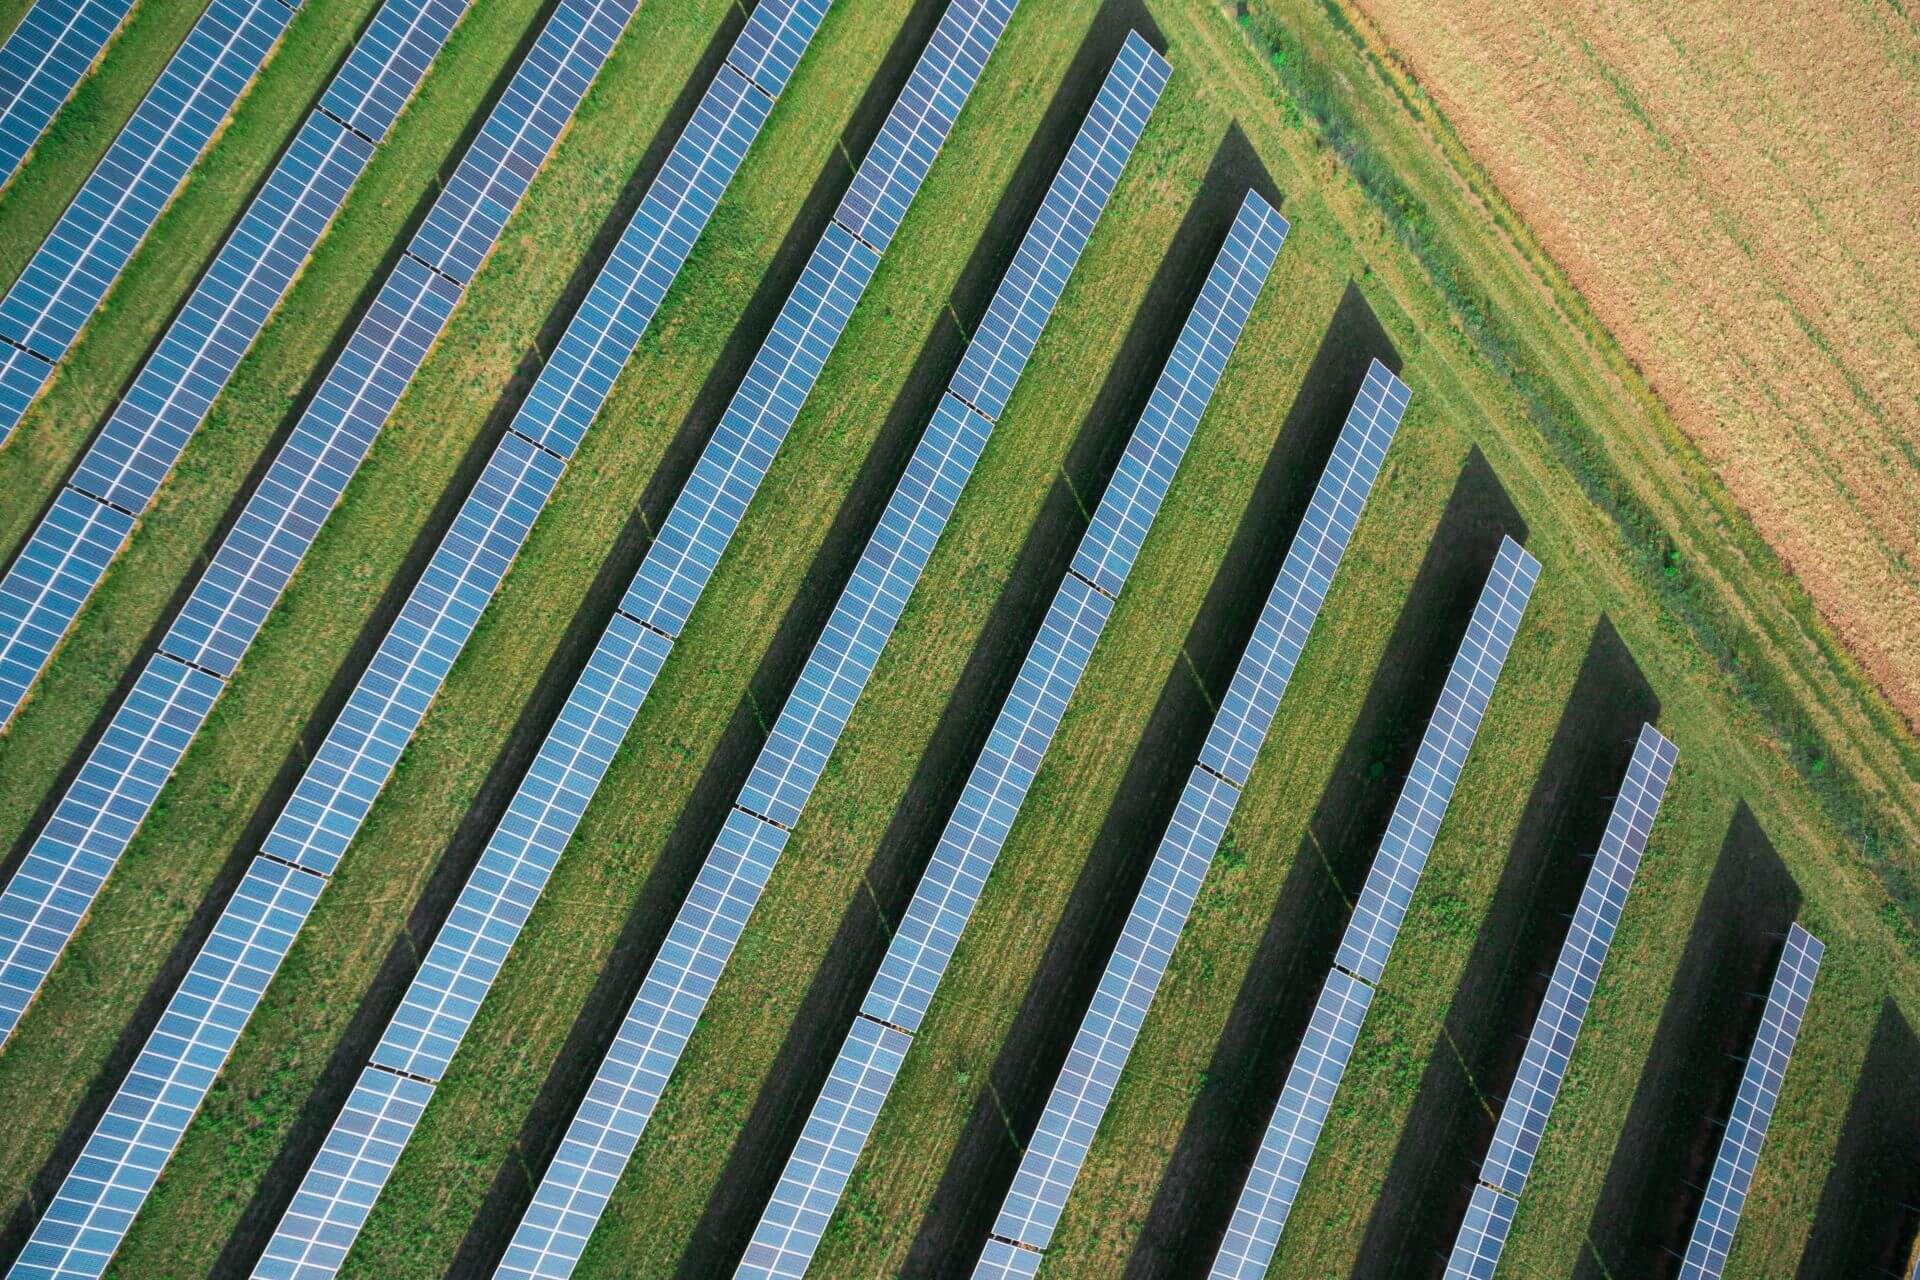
44,59
1746,1131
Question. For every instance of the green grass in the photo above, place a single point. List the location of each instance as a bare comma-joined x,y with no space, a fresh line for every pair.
1492,342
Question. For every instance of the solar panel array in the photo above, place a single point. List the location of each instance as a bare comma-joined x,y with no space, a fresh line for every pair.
1766,1068
72,270
279,522
1260,1215
41,63
1052,1161
817,1170
1523,1117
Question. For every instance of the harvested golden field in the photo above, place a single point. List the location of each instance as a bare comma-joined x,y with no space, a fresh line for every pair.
1739,201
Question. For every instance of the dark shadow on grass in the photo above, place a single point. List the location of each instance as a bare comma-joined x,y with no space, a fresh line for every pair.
134,1034
1869,1211
1222,1133
1431,1178
1666,1149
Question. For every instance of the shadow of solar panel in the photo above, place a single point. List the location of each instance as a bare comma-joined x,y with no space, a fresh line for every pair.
868,609
1523,1118
41,63
115,208
770,45
1305,1100
388,63
1274,649
122,1159
22,374
519,134
1166,427
201,348
1476,1251
281,519
391,698
1746,1130
922,117
353,1164
93,824
1391,880
42,593
602,335
1005,337
715,497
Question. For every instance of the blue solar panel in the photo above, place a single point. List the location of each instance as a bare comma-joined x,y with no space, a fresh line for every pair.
1260,1214
169,1080
519,134
1112,1023
389,702
1274,649
202,347
602,335
93,824
1746,1130
117,205
1004,1260
1476,1250
602,1135
921,118
388,62
1005,338
1188,382
770,45
869,608
1286,1150
49,581
345,1178
42,61
687,550
281,519
822,1160
22,374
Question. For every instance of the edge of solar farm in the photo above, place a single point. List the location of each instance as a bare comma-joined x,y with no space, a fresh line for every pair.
1556,1027
119,476
843,1115
333,797
119,1164
1051,1163
1286,1149
68,276
117,786
1746,1131
45,57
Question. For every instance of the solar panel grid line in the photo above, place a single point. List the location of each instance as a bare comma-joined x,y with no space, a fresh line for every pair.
1733,1168
48,582
1265,1200
143,1124
43,60
143,168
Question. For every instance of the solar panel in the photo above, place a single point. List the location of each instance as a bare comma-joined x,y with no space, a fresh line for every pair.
1476,1250
519,134
1260,1214
687,549
1248,708
922,117
123,1157
279,522
48,583
769,46
390,700
71,271
1443,749
42,61
93,824
1766,1068
22,374
388,62
1004,1260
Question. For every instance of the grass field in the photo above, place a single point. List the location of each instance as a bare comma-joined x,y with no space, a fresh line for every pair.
1526,417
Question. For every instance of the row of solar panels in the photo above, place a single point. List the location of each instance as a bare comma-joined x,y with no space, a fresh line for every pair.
121,472
42,62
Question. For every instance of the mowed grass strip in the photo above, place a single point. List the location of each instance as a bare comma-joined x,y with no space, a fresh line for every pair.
157,279
360,931
50,1064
